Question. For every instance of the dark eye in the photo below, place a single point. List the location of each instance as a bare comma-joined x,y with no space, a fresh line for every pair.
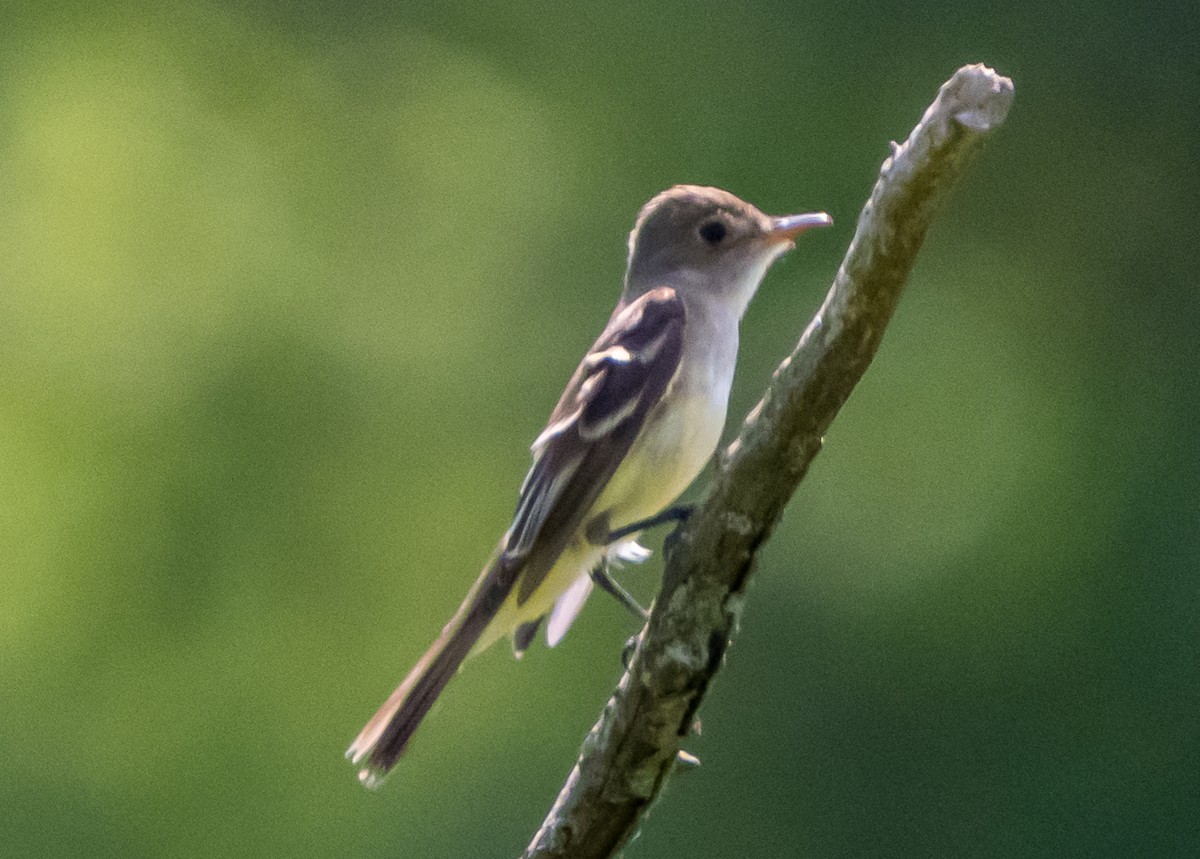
713,232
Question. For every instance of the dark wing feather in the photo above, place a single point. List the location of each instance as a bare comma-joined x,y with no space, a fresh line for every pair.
589,433
602,411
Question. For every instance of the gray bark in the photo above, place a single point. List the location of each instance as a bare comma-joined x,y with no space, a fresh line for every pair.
629,753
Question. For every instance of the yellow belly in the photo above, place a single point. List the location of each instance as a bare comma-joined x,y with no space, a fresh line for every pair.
579,558
662,462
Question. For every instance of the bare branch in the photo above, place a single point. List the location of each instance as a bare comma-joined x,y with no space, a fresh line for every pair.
627,755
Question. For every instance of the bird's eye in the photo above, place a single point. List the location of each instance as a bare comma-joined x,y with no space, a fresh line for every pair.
713,232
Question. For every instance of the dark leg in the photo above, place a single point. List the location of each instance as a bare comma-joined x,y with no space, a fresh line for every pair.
607,584
678,513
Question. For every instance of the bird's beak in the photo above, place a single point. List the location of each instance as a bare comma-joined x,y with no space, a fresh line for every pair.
787,227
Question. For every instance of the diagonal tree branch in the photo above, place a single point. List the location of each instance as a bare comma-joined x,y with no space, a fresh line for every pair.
627,756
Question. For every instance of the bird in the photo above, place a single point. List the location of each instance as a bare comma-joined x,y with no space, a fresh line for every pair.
638,420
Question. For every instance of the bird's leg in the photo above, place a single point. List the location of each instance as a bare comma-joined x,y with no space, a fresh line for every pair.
678,513
613,588
608,584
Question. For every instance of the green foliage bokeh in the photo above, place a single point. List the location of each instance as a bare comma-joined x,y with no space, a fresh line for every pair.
286,291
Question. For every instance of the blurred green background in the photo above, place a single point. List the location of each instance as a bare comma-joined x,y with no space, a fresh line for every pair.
286,289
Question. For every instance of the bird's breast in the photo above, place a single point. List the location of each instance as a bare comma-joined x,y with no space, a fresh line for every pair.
679,437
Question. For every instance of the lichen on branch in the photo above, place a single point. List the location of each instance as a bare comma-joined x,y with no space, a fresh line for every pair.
629,753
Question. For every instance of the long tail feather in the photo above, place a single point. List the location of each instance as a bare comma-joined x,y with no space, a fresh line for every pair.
383,740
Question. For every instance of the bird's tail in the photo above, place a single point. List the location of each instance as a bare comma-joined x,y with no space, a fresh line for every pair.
383,740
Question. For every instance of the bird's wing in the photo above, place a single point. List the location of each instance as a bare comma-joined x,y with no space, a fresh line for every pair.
591,430
603,409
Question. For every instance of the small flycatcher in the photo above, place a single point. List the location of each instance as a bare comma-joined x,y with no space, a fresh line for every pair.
639,419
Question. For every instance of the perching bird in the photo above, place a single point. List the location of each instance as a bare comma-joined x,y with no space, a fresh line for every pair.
639,419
